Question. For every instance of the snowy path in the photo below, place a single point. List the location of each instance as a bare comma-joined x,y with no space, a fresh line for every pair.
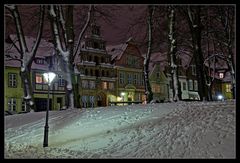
168,130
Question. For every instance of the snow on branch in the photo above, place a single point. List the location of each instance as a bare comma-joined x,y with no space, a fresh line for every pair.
83,30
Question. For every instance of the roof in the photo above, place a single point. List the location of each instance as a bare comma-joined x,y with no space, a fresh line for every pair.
116,51
45,49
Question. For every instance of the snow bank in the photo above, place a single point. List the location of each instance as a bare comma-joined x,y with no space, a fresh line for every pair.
166,130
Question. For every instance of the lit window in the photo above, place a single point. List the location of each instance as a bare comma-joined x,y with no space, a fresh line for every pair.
104,85
221,75
111,85
12,80
155,88
12,104
39,78
228,87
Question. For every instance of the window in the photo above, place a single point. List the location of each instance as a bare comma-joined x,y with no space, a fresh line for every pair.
195,85
12,104
84,84
91,100
228,87
39,78
24,105
95,45
121,78
194,70
92,84
184,86
190,85
155,88
40,61
84,101
89,58
129,78
221,75
135,79
104,85
61,81
12,80
111,86
102,60
103,73
86,72
158,74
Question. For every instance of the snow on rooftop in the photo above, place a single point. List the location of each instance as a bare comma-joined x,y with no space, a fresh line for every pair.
165,130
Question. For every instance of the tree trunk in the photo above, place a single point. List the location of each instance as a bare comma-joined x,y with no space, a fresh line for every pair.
194,22
148,90
26,56
70,46
172,54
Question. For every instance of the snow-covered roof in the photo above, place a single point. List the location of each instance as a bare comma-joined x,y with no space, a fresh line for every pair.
45,49
116,51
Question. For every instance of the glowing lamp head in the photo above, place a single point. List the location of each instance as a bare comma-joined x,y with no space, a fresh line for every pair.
220,97
122,94
49,76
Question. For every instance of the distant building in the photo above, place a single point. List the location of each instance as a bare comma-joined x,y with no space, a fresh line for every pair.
128,63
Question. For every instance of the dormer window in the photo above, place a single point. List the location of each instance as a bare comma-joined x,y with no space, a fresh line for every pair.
39,61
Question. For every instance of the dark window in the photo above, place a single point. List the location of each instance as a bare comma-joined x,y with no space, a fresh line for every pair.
97,73
95,45
102,59
12,80
103,73
61,81
86,71
96,60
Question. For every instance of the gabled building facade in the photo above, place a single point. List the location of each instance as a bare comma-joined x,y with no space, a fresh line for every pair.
97,80
128,63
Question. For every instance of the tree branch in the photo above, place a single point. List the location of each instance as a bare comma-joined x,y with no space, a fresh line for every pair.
82,32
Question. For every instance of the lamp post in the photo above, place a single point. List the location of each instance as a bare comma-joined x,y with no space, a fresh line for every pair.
49,76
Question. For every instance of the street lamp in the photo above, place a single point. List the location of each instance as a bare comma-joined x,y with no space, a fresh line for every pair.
49,76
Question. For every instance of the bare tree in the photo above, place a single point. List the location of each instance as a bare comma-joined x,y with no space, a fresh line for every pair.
226,42
194,22
66,48
26,56
148,90
172,53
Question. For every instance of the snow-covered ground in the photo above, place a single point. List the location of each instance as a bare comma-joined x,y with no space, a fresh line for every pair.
165,130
